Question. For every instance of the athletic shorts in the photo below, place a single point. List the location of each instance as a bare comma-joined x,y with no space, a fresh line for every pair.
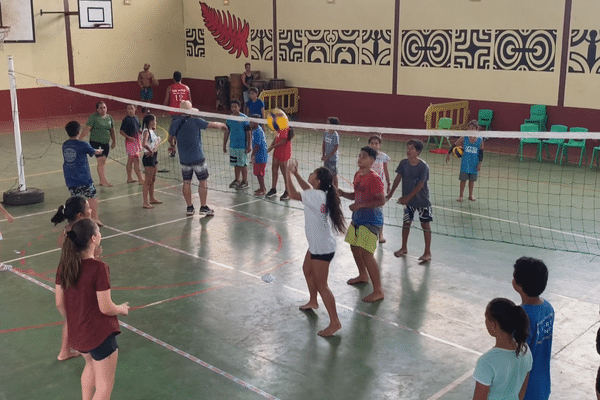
238,157
201,171
133,147
425,214
331,165
105,349
598,381
323,257
104,146
146,93
364,236
87,191
259,169
150,161
463,176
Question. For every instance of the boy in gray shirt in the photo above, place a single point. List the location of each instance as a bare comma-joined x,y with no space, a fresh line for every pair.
414,173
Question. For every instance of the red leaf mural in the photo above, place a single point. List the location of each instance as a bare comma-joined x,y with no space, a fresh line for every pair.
227,30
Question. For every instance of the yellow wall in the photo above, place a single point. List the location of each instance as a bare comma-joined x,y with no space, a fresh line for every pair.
154,31
146,31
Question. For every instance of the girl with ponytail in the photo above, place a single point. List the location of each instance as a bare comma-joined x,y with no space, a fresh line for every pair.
503,371
322,214
83,298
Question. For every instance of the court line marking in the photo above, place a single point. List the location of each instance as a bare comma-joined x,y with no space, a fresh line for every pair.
452,385
169,347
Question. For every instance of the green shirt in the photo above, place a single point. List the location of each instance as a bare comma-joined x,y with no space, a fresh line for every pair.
101,127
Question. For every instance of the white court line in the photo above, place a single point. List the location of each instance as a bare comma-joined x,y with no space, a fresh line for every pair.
168,347
518,223
451,386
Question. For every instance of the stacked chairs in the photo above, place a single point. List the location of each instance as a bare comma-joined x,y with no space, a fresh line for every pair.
538,116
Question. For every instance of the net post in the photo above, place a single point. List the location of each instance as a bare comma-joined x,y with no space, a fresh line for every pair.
21,195
17,127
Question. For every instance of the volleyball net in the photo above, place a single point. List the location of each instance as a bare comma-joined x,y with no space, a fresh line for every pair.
525,202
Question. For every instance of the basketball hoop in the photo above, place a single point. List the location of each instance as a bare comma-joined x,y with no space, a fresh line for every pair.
4,31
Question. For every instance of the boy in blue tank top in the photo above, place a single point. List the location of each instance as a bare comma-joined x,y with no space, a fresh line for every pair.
529,280
471,160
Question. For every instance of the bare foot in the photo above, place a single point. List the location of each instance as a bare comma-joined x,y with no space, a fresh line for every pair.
147,206
98,222
330,330
401,252
382,240
141,183
131,180
472,198
154,201
425,258
259,193
72,353
309,306
357,281
375,296
459,199
105,184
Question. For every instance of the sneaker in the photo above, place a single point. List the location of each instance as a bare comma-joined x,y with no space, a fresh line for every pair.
271,193
285,196
234,184
242,186
204,210
189,211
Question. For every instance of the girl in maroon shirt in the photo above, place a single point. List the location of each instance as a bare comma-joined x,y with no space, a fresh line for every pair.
83,298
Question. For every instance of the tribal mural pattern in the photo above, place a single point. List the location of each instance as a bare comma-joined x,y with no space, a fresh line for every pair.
584,56
500,49
194,42
366,47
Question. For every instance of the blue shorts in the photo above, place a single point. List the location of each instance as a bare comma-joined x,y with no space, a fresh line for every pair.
238,157
331,166
425,214
146,93
323,257
87,191
105,349
201,171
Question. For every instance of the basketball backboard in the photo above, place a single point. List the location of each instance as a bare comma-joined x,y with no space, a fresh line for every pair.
18,14
95,14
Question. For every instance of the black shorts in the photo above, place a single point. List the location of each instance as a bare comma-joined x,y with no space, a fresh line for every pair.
150,161
323,257
598,381
105,349
104,146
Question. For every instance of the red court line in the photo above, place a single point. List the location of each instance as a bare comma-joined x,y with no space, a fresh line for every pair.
163,286
26,328
143,246
178,297
36,274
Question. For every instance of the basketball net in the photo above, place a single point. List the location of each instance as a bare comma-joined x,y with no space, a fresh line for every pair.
4,31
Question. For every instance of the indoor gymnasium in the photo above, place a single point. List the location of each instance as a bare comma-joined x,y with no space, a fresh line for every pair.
217,199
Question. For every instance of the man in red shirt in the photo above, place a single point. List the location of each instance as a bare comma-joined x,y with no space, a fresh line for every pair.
176,93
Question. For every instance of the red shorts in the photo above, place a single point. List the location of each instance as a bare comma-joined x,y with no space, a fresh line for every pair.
259,169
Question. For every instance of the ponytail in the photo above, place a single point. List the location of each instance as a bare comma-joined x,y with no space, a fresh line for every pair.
78,240
512,319
332,199
73,206
146,120
290,135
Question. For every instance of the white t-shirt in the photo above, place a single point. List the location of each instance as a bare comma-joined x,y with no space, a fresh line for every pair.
503,372
152,141
317,223
377,166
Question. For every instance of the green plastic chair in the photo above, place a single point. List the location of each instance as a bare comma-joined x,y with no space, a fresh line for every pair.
577,143
594,155
443,124
557,142
537,115
484,118
537,142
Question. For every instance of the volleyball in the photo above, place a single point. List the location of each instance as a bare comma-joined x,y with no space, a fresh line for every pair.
457,152
277,120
